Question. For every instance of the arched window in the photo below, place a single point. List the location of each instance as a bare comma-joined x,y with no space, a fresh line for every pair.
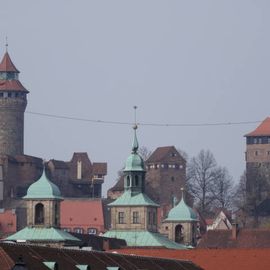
136,180
39,214
56,215
128,181
179,234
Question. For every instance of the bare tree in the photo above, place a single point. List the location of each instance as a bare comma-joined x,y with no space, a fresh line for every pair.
222,188
201,173
240,194
183,154
144,152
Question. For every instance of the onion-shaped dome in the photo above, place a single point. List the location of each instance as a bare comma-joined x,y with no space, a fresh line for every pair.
43,189
134,161
182,212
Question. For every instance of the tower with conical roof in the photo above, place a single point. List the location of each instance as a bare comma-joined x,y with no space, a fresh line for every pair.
181,224
13,102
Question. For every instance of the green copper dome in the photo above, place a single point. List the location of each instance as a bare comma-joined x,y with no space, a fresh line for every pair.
43,189
134,161
182,212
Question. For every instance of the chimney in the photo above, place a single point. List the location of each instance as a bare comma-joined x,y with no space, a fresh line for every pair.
234,231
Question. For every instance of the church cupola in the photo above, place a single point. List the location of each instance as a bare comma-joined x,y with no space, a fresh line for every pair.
134,172
43,200
12,106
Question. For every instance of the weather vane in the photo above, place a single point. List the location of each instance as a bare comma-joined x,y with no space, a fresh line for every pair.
135,117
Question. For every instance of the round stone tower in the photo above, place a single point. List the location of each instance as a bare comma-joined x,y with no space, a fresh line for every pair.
12,106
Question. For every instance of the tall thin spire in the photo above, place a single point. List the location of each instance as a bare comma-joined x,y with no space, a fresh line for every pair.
135,145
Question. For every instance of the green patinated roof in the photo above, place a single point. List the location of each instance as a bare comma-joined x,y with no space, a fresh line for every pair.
43,189
144,239
182,212
42,234
82,266
127,199
134,163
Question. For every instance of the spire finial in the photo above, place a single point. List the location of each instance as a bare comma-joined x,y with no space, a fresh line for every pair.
183,193
135,145
135,117
6,44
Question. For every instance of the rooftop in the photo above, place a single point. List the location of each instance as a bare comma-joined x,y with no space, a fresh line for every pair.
245,238
43,189
212,259
262,130
12,85
35,256
144,239
42,234
7,65
164,152
182,212
127,199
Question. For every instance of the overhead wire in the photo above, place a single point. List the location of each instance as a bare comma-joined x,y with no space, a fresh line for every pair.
154,124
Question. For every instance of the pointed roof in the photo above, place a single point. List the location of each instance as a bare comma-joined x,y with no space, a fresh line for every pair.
134,162
144,239
43,189
262,130
182,212
42,234
7,65
128,199
12,85
162,153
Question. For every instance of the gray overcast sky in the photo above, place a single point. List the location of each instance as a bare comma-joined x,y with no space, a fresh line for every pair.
178,61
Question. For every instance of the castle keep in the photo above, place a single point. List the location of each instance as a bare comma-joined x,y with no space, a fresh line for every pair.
12,106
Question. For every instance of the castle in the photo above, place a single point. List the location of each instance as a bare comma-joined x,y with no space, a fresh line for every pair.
78,177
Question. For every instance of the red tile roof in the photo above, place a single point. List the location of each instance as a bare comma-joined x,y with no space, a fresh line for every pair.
8,222
161,153
6,263
6,64
100,168
212,259
119,185
262,130
82,213
245,239
12,85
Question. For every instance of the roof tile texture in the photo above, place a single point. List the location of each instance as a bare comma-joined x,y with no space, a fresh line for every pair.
79,213
245,239
213,259
262,130
12,85
6,64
